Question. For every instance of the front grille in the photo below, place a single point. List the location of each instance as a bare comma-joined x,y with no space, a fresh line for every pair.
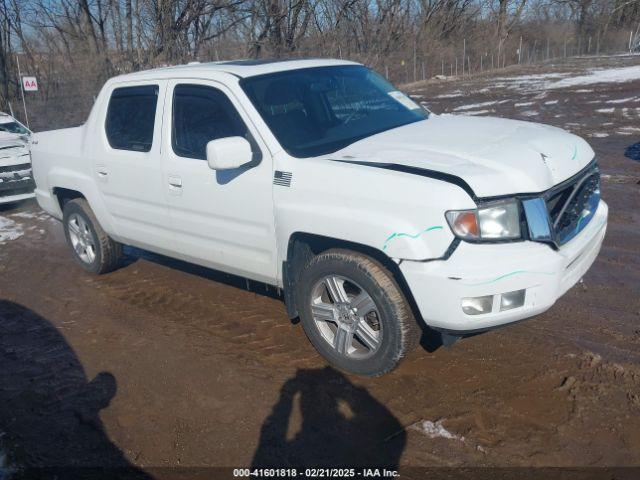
572,204
15,168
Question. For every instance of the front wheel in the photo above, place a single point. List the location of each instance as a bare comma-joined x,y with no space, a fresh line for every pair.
354,313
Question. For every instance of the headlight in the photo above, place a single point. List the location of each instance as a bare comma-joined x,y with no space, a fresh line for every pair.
500,221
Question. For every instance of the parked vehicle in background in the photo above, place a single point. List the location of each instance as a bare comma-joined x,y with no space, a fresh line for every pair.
16,178
375,216
9,124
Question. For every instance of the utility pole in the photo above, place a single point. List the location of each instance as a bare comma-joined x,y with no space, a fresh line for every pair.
24,104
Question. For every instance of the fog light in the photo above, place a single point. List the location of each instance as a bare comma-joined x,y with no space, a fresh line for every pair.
512,300
477,305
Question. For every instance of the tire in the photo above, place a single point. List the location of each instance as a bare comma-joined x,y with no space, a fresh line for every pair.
382,328
92,248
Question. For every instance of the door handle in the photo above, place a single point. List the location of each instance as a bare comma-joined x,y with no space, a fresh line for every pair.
102,172
175,181
175,185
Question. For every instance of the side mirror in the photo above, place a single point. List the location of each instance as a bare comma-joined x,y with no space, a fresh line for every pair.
228,153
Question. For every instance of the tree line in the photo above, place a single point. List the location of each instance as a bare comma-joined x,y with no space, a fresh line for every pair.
74,45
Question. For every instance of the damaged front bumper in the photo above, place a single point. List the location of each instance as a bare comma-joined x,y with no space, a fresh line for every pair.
494,273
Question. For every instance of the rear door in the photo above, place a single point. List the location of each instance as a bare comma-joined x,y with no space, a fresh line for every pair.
128,166
222,219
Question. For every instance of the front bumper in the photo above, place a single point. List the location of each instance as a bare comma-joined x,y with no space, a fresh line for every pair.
16,190
476,270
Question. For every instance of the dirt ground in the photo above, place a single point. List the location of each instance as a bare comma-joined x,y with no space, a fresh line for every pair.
161,364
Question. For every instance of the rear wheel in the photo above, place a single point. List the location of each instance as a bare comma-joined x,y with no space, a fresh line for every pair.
354,313
92,248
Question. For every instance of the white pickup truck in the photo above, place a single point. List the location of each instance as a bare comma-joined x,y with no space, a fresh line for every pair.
375,216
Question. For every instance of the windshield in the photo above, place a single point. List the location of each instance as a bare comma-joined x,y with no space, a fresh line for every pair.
13,127
317,111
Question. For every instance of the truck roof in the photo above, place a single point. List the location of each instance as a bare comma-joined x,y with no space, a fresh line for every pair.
239,68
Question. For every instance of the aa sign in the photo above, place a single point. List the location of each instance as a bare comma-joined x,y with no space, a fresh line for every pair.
30,84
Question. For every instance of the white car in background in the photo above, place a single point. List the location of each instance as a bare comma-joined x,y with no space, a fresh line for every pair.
375,216
16,178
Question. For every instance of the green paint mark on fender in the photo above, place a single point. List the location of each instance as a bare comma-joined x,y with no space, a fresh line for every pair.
408,235
575,152
507,275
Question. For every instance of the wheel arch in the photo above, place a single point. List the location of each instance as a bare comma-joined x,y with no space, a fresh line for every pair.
63,195
303,246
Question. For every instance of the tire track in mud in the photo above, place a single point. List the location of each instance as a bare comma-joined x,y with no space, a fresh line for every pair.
250,325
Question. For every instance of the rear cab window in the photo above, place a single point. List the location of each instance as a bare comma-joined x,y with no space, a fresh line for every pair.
131,116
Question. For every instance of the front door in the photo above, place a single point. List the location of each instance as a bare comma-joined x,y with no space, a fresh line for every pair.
222,219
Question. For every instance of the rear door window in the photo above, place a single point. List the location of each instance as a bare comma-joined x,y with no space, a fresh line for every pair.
131,118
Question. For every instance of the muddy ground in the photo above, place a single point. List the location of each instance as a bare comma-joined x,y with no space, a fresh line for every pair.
164,365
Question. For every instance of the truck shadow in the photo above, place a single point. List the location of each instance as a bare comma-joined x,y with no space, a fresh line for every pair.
431,340
632,152
133,254
49,415
321,419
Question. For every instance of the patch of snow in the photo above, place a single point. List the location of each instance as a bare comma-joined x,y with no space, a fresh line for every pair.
605,110
531,78
630,112
623,100
416,96
29,215
523,104
599,135
475,105
551,102
529,113
629,54
454,94
9,230
477,112
435,430
608,75
584,90
527,83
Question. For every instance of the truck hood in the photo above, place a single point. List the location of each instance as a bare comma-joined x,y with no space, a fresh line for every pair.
494,156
